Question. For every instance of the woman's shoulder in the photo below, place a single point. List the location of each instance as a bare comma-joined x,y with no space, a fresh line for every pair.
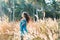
23,19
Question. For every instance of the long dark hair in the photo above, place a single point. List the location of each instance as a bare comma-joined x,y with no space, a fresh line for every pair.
26,15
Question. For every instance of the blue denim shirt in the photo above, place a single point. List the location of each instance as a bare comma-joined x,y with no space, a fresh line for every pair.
23,24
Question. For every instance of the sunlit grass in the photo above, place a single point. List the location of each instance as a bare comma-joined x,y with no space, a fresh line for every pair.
41,30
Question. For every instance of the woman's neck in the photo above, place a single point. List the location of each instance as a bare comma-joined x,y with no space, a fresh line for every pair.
23,17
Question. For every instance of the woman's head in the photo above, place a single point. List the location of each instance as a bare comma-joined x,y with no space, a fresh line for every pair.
26,16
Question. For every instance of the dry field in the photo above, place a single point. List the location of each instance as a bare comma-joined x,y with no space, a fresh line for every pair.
40,30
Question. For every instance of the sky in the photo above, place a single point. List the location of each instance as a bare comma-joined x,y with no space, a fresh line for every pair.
48,1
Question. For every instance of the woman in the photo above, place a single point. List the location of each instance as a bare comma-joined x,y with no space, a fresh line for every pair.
23,23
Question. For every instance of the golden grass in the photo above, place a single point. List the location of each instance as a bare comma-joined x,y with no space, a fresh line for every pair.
40,30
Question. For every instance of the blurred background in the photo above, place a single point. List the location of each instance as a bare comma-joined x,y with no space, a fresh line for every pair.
11,10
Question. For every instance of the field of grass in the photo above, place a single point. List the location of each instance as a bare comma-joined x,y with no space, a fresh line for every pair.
40,30
59,28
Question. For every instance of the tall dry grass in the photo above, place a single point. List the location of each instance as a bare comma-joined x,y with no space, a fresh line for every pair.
41,30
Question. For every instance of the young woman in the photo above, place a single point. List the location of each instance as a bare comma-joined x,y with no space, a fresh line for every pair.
23,23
